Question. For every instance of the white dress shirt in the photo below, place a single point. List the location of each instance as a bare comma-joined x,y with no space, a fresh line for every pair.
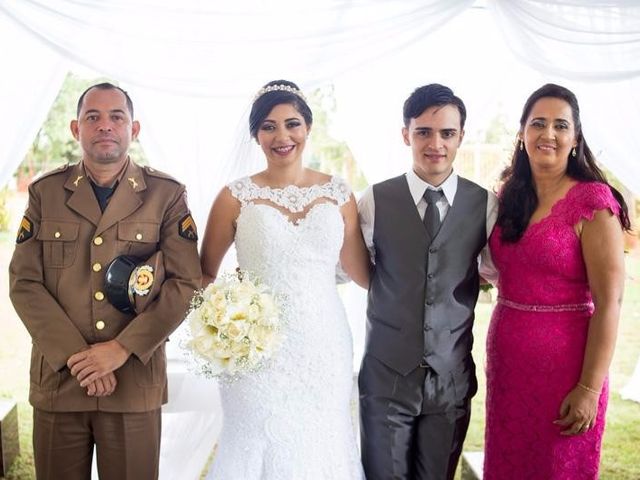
417,187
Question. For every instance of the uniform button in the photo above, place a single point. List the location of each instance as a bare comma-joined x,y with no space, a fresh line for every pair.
96,267
57,234
429,275
97,241
138,236
433,250
100,325
98,296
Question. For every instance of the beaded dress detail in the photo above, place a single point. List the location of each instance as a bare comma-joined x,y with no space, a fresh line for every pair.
536,343
292,418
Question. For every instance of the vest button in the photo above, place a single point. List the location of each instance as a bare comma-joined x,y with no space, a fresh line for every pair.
433,250
429,275
429,303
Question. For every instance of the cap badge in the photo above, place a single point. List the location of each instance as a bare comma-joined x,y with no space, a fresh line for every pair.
141,280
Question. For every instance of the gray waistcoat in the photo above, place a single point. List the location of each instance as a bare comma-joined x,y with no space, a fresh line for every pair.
423,292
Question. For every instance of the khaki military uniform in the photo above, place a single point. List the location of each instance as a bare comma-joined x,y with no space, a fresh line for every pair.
57,273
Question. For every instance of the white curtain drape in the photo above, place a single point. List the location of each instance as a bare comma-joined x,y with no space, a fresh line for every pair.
192,66
593,46
31,78
585,41
212,49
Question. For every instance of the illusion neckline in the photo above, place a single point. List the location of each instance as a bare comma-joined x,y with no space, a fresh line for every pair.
292,186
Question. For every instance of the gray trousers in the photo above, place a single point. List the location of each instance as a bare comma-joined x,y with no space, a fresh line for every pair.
412,427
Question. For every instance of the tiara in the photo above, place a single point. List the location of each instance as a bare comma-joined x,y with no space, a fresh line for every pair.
279,88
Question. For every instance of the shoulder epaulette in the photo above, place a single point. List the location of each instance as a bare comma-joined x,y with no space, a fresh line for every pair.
158,174
50,173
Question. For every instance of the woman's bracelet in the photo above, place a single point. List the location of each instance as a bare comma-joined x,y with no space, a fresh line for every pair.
589,389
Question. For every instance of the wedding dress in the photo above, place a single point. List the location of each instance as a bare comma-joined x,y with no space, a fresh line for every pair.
292,419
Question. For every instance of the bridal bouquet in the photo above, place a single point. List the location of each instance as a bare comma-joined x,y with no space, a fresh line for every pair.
233,326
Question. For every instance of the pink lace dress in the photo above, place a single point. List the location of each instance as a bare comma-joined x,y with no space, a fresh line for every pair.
535,346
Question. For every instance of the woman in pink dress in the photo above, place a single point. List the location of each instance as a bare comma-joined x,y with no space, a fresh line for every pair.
559,251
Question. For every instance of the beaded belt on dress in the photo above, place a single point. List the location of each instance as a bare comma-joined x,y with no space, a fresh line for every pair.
567,307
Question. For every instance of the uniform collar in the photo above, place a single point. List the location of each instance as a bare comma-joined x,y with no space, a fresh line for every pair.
125,199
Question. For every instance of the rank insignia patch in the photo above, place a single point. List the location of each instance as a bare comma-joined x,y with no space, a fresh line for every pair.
25,232
187,228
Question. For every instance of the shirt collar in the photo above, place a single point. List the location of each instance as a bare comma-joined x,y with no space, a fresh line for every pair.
417,186
116,180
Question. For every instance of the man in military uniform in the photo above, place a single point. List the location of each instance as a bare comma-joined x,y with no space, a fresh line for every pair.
98,373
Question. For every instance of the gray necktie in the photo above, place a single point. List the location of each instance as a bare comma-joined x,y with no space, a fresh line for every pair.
431,218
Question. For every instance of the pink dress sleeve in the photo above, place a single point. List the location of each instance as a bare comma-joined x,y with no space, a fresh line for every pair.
590,197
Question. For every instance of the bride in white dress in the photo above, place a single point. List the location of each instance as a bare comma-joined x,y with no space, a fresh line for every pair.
291,226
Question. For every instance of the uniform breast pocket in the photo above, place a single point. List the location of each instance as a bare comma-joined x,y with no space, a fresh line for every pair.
139,239
59,243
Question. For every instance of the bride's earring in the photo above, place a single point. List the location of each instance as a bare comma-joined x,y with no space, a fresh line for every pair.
521,145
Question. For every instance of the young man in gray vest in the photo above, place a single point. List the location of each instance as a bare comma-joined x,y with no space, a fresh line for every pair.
426,230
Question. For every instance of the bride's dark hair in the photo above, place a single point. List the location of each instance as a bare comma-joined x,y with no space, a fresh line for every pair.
275,93
518,199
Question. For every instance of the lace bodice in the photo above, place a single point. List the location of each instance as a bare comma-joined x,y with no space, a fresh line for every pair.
290,252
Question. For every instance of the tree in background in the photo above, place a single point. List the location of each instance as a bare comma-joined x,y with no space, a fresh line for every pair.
328,154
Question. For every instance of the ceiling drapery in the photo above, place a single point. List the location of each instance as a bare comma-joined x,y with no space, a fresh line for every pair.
192,67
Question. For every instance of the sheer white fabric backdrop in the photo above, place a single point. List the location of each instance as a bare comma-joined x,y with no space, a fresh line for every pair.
191,67
30,80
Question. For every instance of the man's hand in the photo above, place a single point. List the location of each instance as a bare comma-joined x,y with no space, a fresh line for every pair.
97,361
102,387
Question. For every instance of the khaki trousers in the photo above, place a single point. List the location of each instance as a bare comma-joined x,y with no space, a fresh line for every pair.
127,445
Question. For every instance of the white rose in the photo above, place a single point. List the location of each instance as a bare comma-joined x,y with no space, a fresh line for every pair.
240,349
237,329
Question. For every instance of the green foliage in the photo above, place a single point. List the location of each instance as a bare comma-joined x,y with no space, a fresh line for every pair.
23,468
5,214
328,154
498,132
54,145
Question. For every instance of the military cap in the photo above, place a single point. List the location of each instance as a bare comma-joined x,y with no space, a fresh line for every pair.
132,283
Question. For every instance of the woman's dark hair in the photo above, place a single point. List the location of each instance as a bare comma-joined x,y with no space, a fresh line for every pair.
518,199
275,93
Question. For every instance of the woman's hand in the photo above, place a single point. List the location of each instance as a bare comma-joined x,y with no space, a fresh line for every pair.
578,411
